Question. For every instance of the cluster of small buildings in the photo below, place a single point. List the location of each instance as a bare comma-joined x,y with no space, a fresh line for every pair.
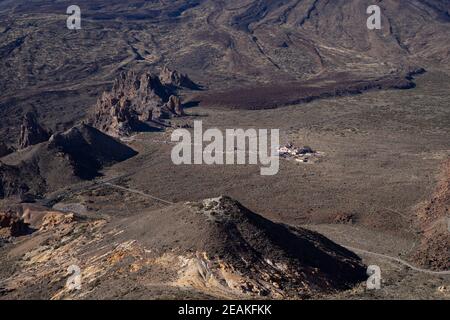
303,154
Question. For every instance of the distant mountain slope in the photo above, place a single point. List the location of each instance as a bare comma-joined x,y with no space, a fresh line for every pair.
220,44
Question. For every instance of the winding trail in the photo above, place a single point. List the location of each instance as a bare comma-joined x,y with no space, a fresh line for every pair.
403,262
139,192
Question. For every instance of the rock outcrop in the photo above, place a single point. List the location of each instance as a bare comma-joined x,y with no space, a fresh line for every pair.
31,132
174,106
11,225
68,157
134,100
176,79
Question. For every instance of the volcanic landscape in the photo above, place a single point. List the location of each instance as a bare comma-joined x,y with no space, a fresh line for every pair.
87,179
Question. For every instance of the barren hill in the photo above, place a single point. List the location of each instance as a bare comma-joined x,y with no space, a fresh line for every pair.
215,247
65,159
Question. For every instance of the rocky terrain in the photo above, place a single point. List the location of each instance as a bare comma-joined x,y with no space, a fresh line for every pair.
235,254
12,225
66,158
86,178
222,45
434,222
136,101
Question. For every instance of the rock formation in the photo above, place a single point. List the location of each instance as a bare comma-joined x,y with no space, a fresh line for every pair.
176,79
11,225
174,106
134,100
31,132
